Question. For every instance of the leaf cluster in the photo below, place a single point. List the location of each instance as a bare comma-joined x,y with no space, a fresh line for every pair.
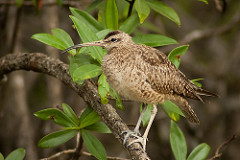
72,125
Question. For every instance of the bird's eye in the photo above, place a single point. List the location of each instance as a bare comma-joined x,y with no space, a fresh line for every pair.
114,40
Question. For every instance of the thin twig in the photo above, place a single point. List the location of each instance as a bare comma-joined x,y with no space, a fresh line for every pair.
69,151
108,157
200,34
218,152
131,3
220,7
78,148
16,30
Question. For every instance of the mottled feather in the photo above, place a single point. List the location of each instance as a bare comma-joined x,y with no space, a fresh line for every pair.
142,73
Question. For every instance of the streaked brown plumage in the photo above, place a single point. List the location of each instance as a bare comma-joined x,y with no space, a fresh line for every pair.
144,74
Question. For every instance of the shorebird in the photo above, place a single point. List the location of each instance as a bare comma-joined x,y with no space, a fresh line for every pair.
144,74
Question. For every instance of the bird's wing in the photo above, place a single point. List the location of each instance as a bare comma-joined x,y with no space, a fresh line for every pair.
164,77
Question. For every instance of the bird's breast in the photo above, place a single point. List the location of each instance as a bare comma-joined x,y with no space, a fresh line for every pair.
113,69
125,77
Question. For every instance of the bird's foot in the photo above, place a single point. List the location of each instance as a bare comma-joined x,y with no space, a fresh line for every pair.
137,136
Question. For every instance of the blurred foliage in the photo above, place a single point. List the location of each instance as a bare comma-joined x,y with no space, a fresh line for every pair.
17,154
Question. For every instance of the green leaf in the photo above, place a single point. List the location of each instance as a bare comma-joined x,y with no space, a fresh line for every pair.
57,116
49,40
123,9
175,54
143,9
77,61
70,113
111,15
19,3
204,1
178,142
1,156
87,111
103,89
60,39
164,10
101,13
63,36
146,115
89,119
93,5
56,138
17,154
200,152
114,94
87,35
153,40
101,34
93,145
99,127
86,71
172,110
130,23
86,18
195,81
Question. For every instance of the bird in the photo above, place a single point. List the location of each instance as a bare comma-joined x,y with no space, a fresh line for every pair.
145,74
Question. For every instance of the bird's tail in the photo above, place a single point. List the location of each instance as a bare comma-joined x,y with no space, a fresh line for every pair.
203,92
186,109
189,113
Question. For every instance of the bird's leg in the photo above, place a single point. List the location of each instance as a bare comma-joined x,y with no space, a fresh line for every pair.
135,132
153,114
143,140
136,129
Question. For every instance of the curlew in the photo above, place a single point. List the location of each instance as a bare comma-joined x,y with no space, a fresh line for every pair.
144,74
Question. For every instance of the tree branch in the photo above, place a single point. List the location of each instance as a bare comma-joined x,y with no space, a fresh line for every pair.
78,148
218,152
199,34
69,151
205,33
39,62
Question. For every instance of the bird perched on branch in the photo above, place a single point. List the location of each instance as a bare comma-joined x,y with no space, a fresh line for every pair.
144,74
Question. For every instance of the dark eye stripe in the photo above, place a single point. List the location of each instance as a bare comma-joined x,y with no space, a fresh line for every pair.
111,34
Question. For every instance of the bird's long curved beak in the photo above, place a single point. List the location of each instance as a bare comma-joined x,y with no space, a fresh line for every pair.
94,43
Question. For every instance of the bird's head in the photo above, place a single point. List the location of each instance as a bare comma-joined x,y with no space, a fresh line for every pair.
113,39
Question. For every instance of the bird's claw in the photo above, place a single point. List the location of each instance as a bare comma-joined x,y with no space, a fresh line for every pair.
141,140
137,136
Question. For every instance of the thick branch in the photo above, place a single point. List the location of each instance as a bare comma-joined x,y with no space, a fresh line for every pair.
39,62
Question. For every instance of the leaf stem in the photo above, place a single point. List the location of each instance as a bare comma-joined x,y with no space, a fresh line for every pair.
130,7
